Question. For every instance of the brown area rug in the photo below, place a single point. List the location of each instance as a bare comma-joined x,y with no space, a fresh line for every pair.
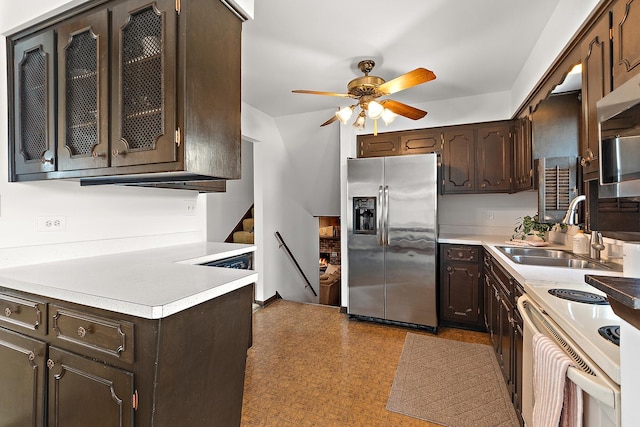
451,383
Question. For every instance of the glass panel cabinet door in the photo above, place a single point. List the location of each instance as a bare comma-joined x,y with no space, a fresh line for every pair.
144,56
83,93
34,125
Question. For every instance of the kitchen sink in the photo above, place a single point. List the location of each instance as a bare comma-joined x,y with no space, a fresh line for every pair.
554,258
536,252
558,262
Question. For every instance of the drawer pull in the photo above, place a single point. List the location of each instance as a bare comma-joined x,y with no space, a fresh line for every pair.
7,312
460,254
449,268
82,332
50,364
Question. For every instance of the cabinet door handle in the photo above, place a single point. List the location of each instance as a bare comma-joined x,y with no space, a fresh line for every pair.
44,160
7,312
50,363
449,268
97,155
32,356
117,153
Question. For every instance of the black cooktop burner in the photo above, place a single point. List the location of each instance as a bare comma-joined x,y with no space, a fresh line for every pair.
579,296
611,333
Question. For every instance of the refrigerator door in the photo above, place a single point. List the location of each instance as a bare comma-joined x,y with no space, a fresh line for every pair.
410,253
365,185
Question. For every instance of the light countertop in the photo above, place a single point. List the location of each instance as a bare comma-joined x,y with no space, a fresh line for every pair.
152,283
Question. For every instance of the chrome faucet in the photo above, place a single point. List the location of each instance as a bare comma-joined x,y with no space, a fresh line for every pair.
597,245
570,217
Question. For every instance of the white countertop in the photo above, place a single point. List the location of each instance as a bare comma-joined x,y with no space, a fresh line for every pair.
151,283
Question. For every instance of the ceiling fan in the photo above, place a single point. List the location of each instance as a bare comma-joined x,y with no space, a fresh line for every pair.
368,88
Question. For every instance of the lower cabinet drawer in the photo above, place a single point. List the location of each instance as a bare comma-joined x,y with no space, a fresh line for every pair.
110,337
24,313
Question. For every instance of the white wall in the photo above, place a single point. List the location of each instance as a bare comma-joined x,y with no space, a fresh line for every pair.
224,210
295,179
565,21
98,219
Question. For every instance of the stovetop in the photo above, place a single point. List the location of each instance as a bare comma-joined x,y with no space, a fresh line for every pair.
579,296
581,322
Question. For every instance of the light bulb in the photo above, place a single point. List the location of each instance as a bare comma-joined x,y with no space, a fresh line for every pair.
344,114
388,116
359,123
375,109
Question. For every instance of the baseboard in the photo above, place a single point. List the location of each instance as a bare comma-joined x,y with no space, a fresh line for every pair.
268,300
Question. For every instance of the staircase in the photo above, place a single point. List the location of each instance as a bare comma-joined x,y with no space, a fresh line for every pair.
243,232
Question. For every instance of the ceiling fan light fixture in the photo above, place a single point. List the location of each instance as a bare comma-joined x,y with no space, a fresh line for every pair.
359,123
388,116
344,114
375,110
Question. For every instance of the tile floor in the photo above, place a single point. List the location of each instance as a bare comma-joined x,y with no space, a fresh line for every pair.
312,366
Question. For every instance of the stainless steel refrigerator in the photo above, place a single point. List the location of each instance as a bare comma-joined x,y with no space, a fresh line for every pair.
392,238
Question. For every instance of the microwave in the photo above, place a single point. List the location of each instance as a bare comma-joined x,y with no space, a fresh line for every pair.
619,145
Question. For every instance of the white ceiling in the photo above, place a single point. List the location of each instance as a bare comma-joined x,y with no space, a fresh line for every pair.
473,47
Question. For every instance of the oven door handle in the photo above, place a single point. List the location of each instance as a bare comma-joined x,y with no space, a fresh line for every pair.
590,384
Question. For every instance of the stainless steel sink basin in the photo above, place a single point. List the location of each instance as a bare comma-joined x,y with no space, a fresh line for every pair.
537,252
559,262
546,257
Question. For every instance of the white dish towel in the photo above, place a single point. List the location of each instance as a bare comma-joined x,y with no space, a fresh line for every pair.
558,400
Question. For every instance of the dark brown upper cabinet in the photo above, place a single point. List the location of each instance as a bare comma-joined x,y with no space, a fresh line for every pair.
458,160
420,141
383,144
477,158
143,103
596,83
33,132
83,99
626,34
522,155
493,151
423,141
136,97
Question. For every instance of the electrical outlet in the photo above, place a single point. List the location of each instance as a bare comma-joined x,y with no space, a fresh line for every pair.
189,207
489,215
52,223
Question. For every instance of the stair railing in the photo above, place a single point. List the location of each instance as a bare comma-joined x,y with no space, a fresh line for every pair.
282,244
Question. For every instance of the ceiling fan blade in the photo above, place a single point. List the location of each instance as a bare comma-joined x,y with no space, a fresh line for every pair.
315,92
403,109
405,81
331,120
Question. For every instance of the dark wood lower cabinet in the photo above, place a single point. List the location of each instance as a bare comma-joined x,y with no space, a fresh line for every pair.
22,385
70,365
460,286
504,324
85,392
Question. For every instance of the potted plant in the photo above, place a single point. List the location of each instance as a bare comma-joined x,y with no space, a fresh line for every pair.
529,228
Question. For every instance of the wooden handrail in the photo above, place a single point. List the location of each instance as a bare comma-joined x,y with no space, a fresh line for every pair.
286,248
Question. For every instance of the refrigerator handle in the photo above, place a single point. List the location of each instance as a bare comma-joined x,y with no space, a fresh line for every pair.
386,215
380,207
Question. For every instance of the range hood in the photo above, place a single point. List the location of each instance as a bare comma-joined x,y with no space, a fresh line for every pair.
174,180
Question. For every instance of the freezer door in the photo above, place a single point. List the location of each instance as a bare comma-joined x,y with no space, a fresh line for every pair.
410,249
365,241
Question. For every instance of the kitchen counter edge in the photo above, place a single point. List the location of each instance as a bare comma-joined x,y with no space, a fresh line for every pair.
152,284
